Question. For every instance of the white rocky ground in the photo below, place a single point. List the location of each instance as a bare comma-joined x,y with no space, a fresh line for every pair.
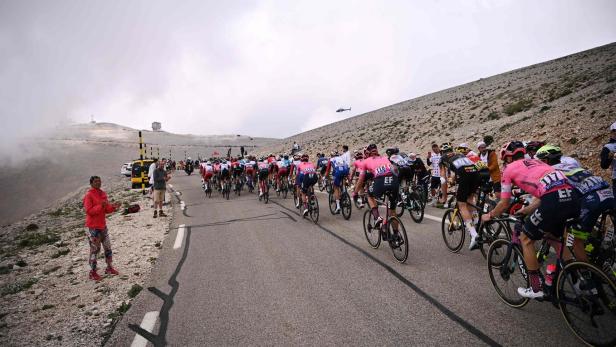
47,298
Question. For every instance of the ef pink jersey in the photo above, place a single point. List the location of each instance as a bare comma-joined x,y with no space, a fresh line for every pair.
262,165
306,168
533,176
378,166
359,165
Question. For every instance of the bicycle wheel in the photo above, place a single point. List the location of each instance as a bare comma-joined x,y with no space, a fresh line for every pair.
345,205
587,300
452,228
490,232
507,274
332,203
416,208
400,243
313,206
373,235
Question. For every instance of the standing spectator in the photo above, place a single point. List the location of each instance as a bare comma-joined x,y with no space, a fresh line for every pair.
96,205
607,155
488,156
346,155
160,187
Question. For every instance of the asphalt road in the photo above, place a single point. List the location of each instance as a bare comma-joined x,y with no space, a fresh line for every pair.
249,273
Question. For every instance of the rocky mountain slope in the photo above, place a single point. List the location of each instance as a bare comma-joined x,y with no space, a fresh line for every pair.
568,101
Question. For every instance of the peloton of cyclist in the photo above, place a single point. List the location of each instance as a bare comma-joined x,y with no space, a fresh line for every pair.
467,177
554,202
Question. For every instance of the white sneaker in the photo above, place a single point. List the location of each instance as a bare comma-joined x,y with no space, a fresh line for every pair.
474,244
529,293
337,210
305,212
260,194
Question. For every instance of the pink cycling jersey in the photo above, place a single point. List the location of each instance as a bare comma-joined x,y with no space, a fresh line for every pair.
533,176
359,165
306,168
262,165
378,166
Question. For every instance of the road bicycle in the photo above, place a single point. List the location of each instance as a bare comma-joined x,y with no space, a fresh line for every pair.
313,204
207,188
454,230
410,200
226,189
584,294
396,237
345,201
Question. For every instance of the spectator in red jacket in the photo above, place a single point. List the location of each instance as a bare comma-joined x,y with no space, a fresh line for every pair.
97,206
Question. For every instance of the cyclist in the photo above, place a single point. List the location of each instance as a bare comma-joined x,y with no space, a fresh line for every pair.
355,172
418,170
467,177
340,170
225,172
384,180
554,202
532,147
283,170
434,159
307,177
249,168
236,170
322,161
607,155
403,166
207,173
596,194
263,172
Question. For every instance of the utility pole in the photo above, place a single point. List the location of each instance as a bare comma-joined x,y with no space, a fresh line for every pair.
141,153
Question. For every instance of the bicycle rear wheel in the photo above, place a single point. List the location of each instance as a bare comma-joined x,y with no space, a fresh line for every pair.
373,235
416,208
452,228
587,300
332,203
345,205
313,206
507,273
400,243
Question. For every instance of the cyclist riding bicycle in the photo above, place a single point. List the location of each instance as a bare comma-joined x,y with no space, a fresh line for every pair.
225,172
554,202
263,172
403,165
467,177
596,196
306,178
418,169
340,170
283,170
384,180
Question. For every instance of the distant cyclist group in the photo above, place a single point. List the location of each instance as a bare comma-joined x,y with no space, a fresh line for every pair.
539,195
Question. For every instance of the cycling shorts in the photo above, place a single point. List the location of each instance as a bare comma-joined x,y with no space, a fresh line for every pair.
263,174
385,185
468,183
593,204
250,171
207,176
308,180
282,172
339,175
435,182
224,173
551,216
405,174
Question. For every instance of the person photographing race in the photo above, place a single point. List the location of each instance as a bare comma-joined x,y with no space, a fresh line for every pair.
554,202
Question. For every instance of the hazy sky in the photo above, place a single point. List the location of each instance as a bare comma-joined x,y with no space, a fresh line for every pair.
264,68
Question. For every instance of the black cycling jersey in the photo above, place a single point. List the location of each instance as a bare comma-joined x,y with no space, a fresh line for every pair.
459,164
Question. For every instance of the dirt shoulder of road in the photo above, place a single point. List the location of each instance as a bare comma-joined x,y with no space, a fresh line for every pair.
47,298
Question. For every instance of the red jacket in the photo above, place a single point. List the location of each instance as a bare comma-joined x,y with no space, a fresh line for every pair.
93,204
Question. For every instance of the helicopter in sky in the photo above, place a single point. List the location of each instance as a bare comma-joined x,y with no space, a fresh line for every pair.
343,109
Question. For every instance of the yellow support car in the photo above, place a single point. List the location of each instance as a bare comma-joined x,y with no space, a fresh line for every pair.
139,167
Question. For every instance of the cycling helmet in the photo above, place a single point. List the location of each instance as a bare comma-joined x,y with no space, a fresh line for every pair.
534,146
445,147
391,151
371,150
305,157
412,156
549,152
286,157
359,155
512,148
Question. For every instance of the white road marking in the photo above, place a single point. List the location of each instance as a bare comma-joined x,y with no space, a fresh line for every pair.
182,205
180,237
147,324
